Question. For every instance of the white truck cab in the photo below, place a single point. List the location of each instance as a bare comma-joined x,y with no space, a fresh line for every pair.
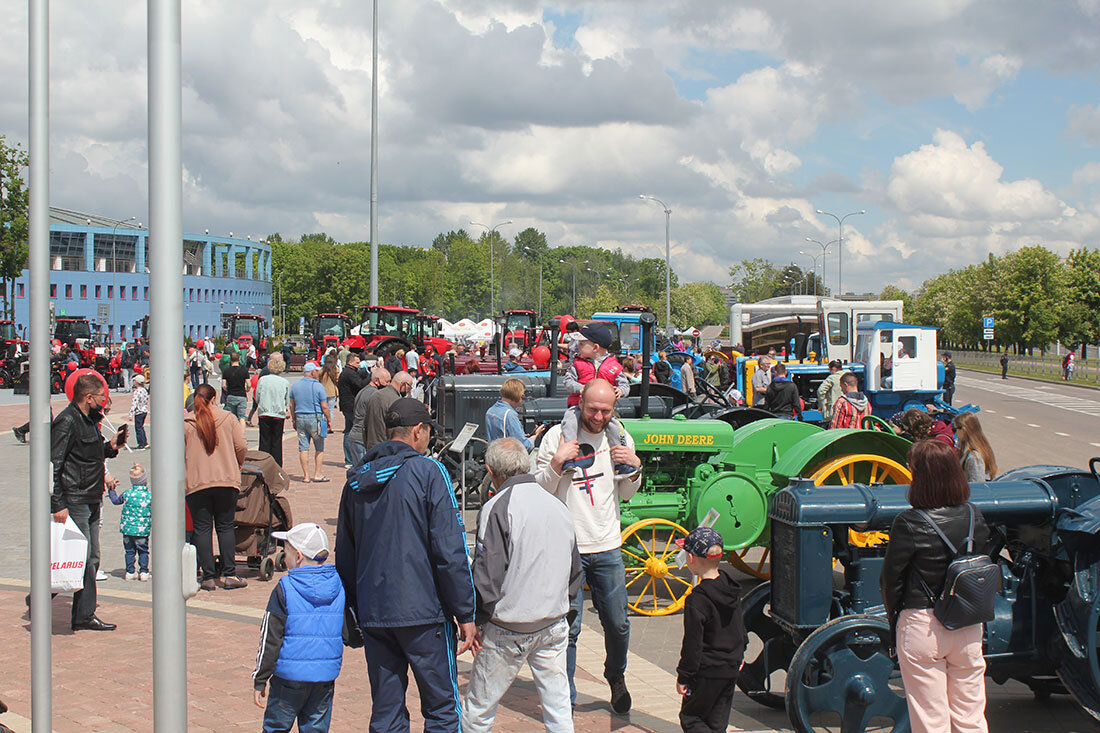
897,356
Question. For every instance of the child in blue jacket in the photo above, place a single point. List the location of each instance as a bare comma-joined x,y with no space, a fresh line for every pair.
301,639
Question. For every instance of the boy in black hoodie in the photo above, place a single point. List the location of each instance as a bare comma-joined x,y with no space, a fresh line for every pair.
714,638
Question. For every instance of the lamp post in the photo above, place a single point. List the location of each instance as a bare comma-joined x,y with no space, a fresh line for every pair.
491,230
813,258
824,248
668,267
574,266
539,255
840,247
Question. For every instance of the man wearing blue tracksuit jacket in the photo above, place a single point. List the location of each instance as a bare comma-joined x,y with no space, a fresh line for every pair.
401,554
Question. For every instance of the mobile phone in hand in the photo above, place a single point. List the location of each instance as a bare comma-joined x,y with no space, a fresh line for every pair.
121,434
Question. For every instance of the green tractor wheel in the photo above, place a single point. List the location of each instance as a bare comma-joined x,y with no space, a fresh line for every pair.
655,586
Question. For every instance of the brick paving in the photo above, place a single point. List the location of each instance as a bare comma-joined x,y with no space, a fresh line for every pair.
102,681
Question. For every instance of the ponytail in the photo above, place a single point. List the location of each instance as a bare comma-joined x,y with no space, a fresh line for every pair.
204,419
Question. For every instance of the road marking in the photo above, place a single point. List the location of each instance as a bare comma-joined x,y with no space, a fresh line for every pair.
1032,425
1064,435
1032,394
1095,445
992,412
1009,417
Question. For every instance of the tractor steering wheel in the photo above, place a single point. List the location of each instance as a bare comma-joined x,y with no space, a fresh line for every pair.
872,422
713,393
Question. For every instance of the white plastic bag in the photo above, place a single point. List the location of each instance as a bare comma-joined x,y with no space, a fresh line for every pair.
68,554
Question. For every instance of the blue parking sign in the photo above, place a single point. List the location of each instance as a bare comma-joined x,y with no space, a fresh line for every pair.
987,322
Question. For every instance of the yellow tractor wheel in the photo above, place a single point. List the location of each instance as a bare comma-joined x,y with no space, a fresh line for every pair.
862,468
758,567
655,586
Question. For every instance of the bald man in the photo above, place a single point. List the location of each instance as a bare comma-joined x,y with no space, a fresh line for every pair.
592,491
379,402
379,378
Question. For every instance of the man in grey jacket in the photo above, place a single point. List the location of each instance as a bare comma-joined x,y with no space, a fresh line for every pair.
526,571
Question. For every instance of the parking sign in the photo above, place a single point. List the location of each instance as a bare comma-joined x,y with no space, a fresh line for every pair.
987,322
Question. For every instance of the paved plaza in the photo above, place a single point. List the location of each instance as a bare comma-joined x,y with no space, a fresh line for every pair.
103,681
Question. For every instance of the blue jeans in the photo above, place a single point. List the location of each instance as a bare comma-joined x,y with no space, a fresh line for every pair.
136,546
237,405
139,429
606,578
349,418
358,452
308,702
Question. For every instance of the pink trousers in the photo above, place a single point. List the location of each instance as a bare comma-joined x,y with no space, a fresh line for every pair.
939,666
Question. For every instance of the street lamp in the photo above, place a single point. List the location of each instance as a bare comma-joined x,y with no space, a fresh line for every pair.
824,248
574,265
813,258
491,230
840,247
539,255
668,268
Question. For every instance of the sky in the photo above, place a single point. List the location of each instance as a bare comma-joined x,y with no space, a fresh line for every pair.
962,128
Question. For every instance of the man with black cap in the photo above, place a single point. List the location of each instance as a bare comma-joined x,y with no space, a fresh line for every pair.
401,554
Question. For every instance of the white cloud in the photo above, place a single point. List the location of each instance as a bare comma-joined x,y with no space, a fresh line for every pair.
1084,123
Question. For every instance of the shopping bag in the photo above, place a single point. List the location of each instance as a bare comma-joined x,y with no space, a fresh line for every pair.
324,428
68,553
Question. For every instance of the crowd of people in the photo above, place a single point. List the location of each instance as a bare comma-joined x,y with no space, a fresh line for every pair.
403,585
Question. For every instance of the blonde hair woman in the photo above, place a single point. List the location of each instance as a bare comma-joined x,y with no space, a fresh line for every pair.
976,454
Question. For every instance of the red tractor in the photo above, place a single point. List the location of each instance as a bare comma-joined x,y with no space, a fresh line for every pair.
327,330
383,329
246,330
13,354
519,329
76,333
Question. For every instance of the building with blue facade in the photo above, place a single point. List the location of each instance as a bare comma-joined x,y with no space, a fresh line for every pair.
96,260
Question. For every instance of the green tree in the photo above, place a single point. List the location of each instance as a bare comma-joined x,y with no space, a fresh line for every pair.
893,292
757,279
698,304
1081,315
1029,294
14,221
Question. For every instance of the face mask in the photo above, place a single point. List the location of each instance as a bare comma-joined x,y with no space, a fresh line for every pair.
96,413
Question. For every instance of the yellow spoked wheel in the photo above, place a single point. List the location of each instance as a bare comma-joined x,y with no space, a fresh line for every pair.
758,567
654,585
861,468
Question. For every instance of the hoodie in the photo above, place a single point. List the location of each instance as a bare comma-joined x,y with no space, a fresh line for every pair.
714,633
401,543
850,410
301,637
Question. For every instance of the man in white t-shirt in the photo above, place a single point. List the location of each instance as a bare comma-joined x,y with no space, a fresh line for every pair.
412,362
592,492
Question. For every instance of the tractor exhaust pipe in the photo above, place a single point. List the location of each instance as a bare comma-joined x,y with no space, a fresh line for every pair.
648,320
555,324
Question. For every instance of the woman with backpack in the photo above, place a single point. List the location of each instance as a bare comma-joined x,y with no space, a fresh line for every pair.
975,453
943,669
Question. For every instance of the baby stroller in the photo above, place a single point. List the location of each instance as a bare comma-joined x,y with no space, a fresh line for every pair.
262,510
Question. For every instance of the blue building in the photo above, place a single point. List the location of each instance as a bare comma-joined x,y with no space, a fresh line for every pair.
95,260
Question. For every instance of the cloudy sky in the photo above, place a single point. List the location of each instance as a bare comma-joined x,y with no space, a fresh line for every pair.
962,128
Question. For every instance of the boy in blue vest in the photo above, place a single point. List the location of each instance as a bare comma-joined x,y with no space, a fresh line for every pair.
301,641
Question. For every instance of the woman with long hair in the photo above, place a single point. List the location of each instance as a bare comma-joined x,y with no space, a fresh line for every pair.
214,447
943,670
330,377
975,453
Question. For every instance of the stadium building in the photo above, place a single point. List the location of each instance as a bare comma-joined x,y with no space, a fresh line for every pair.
99,269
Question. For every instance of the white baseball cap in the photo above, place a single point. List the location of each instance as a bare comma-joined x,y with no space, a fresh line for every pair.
307,538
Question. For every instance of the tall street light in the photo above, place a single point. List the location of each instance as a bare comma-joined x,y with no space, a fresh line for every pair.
574,266
840,247
668,267
824,248
491,230
539,255
813,258
114,270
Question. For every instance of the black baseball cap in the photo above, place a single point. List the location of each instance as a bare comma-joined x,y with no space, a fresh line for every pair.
598,333
405,412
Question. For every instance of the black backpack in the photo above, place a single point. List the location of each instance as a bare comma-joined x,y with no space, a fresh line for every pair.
970,584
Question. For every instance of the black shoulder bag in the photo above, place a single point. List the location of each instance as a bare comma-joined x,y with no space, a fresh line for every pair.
970,584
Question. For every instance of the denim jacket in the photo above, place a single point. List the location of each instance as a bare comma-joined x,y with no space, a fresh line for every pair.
502,421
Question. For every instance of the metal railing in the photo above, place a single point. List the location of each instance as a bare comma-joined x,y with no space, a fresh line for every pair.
1047,366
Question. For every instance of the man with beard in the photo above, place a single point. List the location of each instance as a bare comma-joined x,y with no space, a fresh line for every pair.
591,490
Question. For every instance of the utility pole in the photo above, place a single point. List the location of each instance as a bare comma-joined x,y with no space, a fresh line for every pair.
374,160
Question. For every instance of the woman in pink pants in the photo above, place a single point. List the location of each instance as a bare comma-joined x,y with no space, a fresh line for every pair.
943,670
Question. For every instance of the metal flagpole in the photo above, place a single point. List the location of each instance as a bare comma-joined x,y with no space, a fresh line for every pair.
374,160
166,321
41,621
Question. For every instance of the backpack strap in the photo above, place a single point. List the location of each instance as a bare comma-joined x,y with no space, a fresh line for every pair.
970,534
943,537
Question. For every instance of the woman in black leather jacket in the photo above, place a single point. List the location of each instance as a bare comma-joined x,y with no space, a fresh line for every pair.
943,670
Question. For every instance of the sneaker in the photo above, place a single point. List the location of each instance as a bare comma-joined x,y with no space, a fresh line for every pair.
620,696
144,577
100,575
130,576
624,469
232,582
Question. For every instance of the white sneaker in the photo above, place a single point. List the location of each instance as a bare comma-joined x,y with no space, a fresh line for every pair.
130,576
144,577
100,575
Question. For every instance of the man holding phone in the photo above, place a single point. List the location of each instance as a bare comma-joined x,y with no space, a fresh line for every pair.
78,451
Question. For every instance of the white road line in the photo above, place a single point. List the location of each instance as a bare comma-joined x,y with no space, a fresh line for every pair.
1064,435
1032,394
1095,445
1009,417
1032,425
991,412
